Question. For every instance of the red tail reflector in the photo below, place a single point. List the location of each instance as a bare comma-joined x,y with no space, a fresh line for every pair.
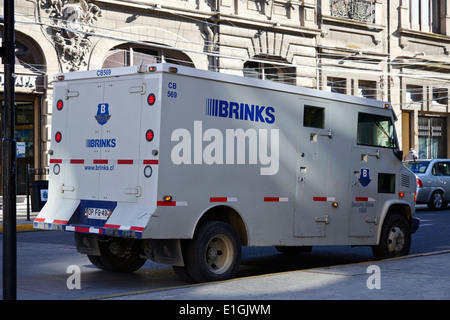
59,104
149,135
151,99
58,136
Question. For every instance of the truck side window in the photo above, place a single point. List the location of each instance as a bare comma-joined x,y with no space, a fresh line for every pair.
386,183
314,117
375,130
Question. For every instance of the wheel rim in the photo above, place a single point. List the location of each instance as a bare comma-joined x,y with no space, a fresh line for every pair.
219,254
437,200
396,241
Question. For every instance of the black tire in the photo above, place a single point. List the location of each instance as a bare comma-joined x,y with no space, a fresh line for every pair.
214,254
119,264
95,260
395,239
112,262
436,201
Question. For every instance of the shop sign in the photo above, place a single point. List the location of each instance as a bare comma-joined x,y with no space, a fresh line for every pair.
22,81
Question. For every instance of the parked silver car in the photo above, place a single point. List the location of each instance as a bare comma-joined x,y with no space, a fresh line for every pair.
433,181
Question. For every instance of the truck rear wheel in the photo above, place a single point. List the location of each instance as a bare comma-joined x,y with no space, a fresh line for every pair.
114,258
395,239
214,254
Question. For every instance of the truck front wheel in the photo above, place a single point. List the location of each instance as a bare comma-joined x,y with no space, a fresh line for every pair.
214,254
395,238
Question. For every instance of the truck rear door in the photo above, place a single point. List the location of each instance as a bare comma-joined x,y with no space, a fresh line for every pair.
102,140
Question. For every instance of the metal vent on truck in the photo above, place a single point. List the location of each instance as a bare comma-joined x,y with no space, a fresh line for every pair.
405,181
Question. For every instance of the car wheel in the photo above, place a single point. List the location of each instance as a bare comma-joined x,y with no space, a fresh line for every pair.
436,201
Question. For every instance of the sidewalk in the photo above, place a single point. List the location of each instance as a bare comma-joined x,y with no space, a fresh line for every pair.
21,215
414,277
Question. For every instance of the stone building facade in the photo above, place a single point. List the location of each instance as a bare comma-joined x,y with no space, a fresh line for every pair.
394,50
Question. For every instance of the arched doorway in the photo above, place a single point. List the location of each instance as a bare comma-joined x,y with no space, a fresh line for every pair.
30,71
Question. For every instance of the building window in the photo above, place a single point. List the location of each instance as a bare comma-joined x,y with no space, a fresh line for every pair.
414,94
359,10
130,55
269,71
432,138
440,96
424,15
367,89
338,85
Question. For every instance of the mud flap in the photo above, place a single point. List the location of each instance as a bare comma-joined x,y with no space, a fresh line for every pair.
168,252
87,244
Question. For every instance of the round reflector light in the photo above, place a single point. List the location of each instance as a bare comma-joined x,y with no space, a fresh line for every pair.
149,135
58,136
56,169
151,99
59,104
148,171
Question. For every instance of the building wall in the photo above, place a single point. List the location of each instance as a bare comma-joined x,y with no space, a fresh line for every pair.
376,50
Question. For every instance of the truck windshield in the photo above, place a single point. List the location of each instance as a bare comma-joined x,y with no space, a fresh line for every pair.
375,130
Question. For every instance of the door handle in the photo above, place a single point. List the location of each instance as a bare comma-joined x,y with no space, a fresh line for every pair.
325,219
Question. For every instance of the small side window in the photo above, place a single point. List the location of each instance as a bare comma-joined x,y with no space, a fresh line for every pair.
314,117
386,183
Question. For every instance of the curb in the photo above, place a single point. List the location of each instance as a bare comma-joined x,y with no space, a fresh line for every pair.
22,227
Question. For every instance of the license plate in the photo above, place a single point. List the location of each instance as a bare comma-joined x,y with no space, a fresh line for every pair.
97,213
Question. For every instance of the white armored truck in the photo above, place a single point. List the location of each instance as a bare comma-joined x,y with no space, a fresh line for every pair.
185,166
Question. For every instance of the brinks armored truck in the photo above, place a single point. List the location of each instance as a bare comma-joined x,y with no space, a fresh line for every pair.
184,166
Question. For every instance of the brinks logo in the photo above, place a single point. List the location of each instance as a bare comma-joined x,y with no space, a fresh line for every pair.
240,111
103,115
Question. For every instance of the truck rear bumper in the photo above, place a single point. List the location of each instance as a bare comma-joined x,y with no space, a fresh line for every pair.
126,220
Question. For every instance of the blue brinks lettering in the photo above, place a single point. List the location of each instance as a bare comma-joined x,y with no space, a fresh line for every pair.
240,111
100,143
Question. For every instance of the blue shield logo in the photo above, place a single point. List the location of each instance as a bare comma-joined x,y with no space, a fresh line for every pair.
364,177
103,115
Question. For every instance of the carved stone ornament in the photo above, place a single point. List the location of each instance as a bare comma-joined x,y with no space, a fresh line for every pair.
73,22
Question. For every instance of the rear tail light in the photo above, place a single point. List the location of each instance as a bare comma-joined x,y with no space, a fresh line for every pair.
419,183
59,105
149,135
58,136
151,99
